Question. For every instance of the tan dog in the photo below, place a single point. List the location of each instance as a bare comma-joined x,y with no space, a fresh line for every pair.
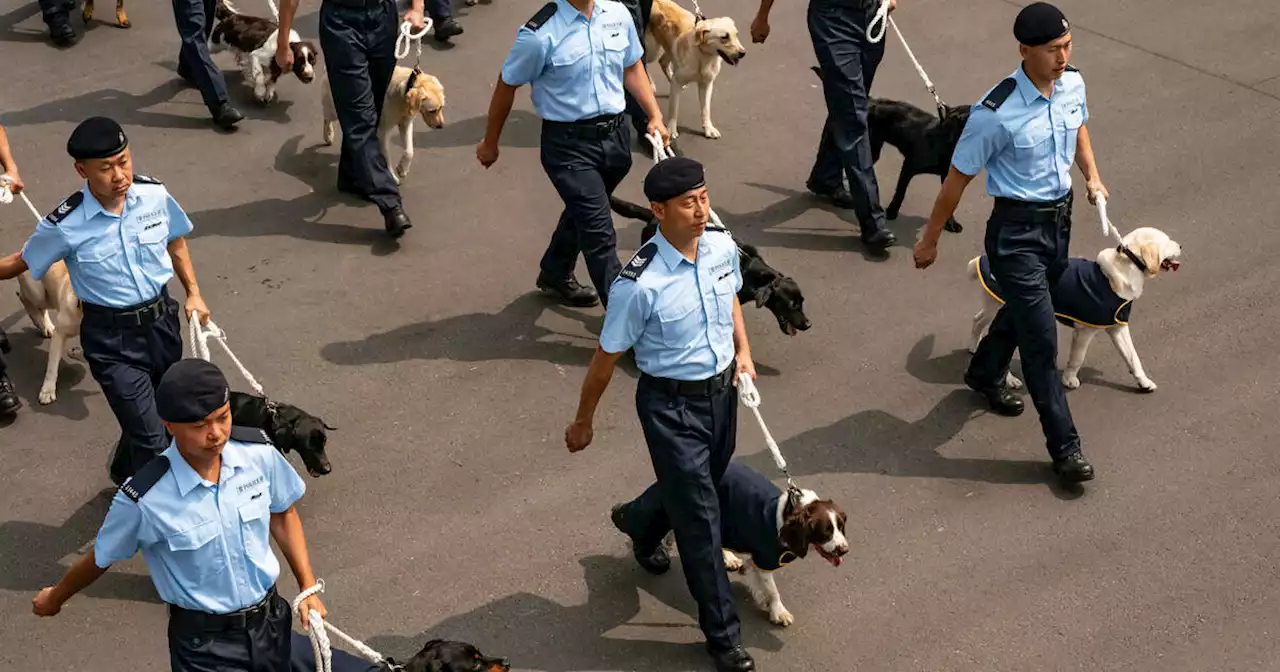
121,19
52,294
1092,296
410,93
689,50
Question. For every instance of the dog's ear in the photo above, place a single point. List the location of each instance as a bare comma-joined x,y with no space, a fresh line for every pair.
700,32
1150,253
763,295
326,426
794,534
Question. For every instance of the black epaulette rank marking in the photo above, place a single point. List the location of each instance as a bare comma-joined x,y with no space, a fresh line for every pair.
249,435
146,478
548,10
145,179
65,208
1072,68
639,262
996,98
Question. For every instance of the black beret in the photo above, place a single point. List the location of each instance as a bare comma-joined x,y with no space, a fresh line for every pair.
190,390
1040,23
671,177
96,138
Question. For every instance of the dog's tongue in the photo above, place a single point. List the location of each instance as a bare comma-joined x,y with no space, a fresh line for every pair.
791,330
1174,264
835,560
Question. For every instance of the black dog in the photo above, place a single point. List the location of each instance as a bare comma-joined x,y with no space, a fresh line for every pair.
440,655
926,142
761,283
289,427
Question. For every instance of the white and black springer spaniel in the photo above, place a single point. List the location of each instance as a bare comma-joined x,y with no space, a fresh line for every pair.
253,39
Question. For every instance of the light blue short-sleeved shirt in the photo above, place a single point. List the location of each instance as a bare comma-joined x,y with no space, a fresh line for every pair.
116,261
1028,143
575,64
207,545
677,314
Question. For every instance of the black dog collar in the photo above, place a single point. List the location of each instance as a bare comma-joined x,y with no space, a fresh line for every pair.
1137,261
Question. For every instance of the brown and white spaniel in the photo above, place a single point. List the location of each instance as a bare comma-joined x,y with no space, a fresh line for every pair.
253,39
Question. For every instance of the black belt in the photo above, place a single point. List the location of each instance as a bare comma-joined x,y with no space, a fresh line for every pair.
693,388
595,128
189,620
1038,211
140,315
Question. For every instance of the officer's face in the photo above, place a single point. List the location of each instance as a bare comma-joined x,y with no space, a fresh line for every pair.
203,440
113,175
1047,61
685,215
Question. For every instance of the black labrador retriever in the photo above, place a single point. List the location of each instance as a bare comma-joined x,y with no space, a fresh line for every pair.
925,140
289,427
761,283
439,655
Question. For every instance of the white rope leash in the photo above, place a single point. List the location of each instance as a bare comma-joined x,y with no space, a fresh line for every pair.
407,36
928,83
881,17
750,397
275,11
198,336
6,197
319,630
1107,226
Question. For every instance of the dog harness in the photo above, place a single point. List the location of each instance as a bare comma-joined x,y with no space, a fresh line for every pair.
1082,296
748,517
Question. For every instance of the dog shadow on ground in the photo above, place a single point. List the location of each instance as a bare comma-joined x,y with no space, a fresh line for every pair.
761,224
562,638
32,555
523,129
26,364
512,333
298,217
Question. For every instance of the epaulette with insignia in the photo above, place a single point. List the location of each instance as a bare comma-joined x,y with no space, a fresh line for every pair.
638,263
64,208
717,229
996,98
145,179
1072,68
146,478
548,10
249,435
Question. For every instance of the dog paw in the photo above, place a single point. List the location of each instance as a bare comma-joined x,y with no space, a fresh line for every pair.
402,170
76,353
711,132
732,563
1146,385
778,615
48,395
1070,381
674,133
953,226
1013,382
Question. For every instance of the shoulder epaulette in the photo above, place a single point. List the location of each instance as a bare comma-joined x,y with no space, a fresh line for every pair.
145,179
717,229
146,478
996,98
639,262
1072,68
64,208
249,435
548,10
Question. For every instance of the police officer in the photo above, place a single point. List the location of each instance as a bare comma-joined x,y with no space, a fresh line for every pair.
1026,132
9,402
195,19
676,303
849,60
217,576
640,12
358,38
578,55
123,237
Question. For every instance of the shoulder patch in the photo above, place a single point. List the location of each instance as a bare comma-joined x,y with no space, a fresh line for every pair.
145,179
249,435
1072,68
639,262
548,10
996,98
64,208
146,478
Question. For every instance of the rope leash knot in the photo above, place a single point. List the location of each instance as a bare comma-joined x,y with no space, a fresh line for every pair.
6,197
319,630
408,37
882,16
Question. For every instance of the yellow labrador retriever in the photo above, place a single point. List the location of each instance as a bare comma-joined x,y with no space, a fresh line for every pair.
410,93
52,294
690,50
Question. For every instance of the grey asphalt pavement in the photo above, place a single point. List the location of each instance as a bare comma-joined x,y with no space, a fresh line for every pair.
454,509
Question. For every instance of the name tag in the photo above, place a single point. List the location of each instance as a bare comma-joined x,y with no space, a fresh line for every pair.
257,481
151,219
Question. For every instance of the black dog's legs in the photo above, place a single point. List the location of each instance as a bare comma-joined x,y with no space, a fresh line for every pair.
899,193
952,225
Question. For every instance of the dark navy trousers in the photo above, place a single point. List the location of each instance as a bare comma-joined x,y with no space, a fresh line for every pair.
195,21
358,38
586,160
128,357
691,439
838,29
640,11
4,349
1027,247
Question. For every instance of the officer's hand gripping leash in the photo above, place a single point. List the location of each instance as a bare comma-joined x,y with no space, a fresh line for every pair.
6,197
1107,226
198,336
319,630
882,17
407,36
